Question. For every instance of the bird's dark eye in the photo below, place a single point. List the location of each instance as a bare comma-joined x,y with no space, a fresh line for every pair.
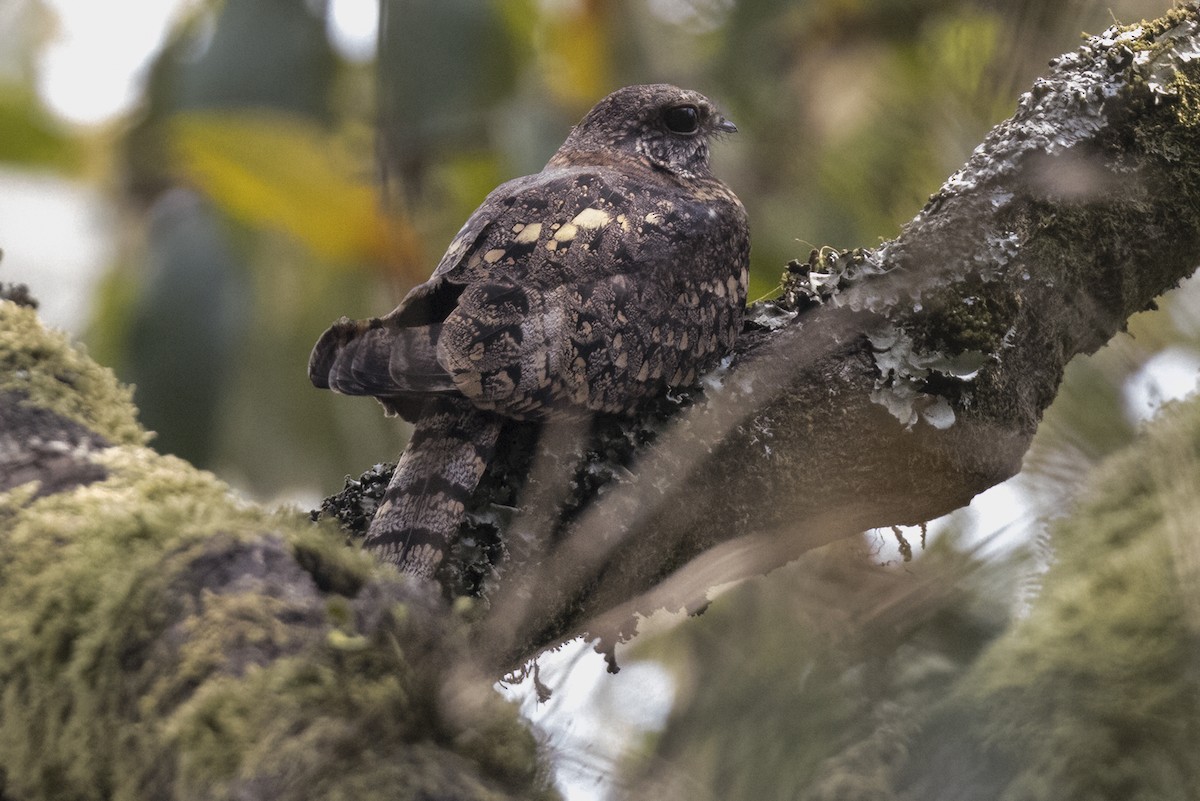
682,119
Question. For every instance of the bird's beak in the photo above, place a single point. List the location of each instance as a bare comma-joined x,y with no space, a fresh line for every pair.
725,126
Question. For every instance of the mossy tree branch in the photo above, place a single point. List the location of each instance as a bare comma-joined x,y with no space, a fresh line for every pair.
163,639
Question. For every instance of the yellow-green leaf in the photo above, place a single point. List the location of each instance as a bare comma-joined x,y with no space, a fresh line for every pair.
281,171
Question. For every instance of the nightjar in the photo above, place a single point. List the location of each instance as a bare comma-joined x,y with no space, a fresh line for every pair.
616,272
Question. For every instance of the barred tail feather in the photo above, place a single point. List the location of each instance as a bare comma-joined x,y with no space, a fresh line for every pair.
377,357
437,473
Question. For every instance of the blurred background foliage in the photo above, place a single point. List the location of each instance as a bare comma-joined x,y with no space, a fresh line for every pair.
267,182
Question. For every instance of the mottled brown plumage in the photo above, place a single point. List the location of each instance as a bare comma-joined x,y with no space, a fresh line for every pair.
616,272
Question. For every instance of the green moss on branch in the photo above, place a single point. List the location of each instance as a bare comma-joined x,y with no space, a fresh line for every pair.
161,638
42,365
1094,693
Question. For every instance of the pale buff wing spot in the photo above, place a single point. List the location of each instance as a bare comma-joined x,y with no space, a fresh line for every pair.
591,218
528,234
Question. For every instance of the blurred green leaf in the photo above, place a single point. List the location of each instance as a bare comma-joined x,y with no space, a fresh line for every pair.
443,65
260,54
282,171
185,325
29,136
575,54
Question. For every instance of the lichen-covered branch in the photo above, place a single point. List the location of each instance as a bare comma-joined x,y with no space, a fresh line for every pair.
890,386
163,639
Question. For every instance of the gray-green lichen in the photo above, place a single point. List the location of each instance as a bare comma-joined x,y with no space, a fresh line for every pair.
161,638
1044,188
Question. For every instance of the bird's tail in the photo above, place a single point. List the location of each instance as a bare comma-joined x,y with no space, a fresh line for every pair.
435,478
379,357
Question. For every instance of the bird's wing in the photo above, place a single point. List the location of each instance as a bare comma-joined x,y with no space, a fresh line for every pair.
548,283
591,287
546,227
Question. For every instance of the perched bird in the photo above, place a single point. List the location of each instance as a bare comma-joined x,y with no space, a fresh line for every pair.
616,272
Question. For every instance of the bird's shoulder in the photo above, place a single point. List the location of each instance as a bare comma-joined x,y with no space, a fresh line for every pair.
581,223
560,214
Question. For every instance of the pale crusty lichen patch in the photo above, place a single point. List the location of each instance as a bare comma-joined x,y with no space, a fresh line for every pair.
50,371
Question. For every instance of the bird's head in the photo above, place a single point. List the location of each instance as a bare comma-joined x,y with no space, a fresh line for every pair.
663,124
